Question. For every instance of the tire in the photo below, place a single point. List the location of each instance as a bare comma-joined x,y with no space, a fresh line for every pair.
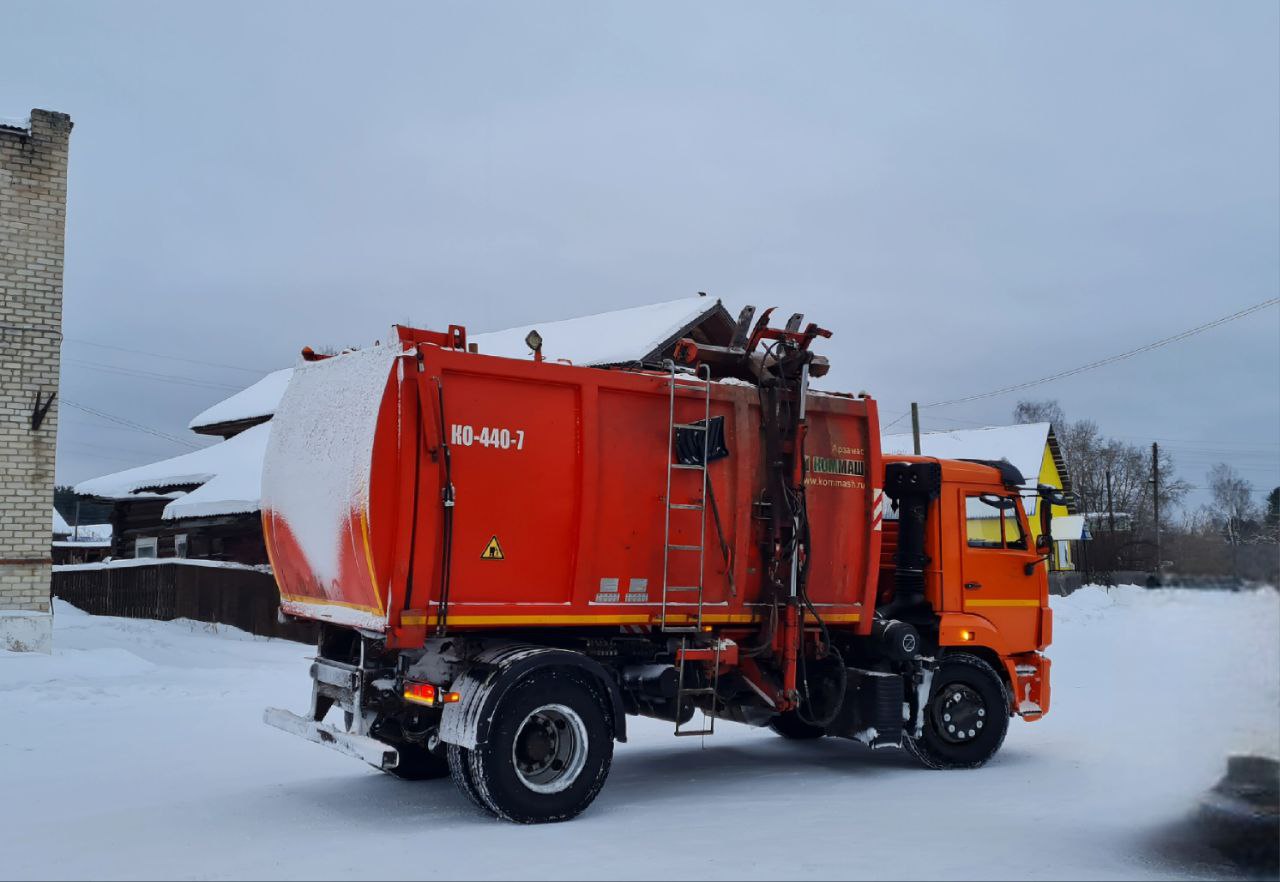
791,727
417,763
459,759
548,751
969,686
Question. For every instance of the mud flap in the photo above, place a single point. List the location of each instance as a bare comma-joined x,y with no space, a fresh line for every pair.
376,753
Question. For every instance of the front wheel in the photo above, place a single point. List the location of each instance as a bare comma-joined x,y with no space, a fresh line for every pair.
547,754
967,716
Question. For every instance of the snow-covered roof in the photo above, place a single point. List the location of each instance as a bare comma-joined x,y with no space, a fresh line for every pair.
605,338
85,532
1022,445
92,533
229,475
256,402
22,124
617,337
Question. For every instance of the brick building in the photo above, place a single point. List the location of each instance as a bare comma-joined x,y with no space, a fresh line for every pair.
33,197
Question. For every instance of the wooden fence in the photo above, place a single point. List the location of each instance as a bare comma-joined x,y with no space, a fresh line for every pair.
243,598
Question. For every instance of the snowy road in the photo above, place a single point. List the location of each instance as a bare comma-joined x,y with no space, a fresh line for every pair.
137,750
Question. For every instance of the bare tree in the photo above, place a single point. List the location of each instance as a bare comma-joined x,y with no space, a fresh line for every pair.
1232,498
1091,456
1047,411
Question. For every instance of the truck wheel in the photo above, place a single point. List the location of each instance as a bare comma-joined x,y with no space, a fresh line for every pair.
460,771
419,764
967,717
547,754
791,727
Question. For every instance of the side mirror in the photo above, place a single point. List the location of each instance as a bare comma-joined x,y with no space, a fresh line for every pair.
1044,543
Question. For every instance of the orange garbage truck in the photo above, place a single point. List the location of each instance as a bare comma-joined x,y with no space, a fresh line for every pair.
510,557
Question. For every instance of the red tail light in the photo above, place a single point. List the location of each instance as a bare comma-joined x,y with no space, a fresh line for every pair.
420,693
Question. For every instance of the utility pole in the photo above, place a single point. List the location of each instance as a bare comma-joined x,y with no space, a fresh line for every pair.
1111,510
915,426
1155,496
1111,526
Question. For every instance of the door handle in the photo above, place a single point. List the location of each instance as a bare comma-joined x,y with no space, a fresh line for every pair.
972,585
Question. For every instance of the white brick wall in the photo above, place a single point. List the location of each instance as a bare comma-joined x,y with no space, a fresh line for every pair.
33,198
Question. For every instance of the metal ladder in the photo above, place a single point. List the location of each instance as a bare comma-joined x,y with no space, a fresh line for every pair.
708,726
700,382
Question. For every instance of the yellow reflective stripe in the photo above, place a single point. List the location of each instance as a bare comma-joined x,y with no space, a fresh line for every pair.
368,555
519,620
321,601
615,619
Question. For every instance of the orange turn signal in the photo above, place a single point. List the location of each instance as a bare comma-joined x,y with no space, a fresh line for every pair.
966,635
449,697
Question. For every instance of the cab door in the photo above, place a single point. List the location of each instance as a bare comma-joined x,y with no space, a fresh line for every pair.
997,549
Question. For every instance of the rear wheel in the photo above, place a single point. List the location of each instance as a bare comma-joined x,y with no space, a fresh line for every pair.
547,754
791,727
460,771
967,716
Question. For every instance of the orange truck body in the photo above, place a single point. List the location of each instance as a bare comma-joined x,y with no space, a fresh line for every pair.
560,475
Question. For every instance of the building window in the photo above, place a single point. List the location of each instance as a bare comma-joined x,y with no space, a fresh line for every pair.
145,546
180,545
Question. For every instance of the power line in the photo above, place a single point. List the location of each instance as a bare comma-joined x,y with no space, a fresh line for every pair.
1102,362
110,417
152,375
218,364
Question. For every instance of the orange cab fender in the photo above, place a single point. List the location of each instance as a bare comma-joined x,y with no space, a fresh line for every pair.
969,633
466,722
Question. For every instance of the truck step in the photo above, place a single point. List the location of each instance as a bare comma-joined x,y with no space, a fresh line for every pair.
684,733
686,506
686,465
693,427
681,588
685,547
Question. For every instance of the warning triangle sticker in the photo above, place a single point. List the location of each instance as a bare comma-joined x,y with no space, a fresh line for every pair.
493,551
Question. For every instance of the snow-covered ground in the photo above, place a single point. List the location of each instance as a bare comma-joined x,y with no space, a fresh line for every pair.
137,750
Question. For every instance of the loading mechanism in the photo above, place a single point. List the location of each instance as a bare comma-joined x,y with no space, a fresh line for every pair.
847,686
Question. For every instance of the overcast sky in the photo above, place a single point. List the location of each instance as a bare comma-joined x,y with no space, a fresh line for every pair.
968,194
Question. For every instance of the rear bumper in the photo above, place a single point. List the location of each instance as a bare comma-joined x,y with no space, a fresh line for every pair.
376,753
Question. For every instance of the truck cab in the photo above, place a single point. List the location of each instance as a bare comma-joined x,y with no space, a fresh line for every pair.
984,576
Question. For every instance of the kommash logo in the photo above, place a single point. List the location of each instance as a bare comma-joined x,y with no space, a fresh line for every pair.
829,466
831,471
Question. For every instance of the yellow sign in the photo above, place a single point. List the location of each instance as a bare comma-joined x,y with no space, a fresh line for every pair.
493,551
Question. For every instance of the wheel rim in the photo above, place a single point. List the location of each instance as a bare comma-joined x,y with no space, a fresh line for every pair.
959,714
550,748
